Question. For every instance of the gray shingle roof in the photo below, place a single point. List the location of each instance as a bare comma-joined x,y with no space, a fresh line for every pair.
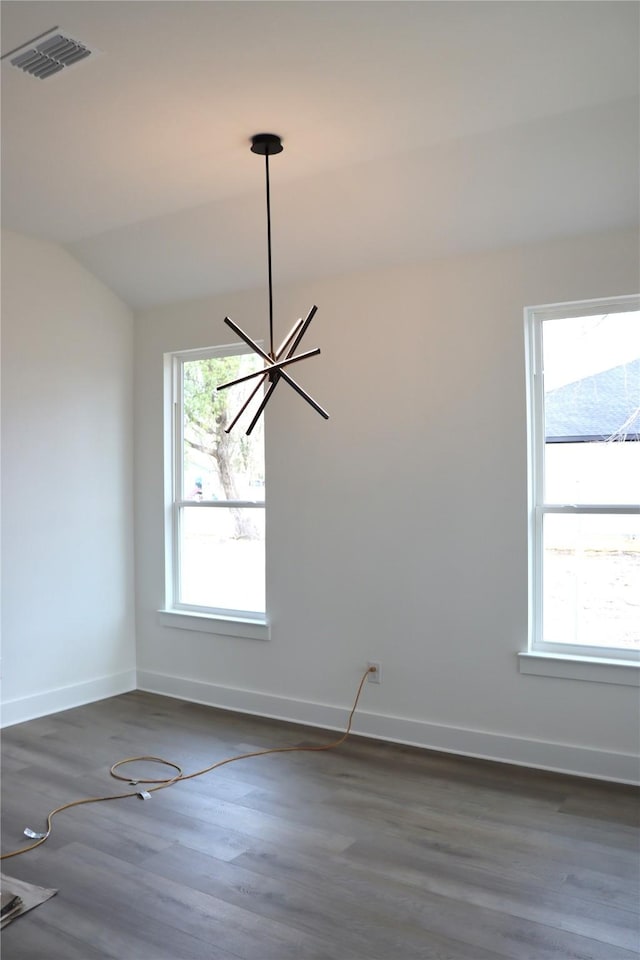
605,405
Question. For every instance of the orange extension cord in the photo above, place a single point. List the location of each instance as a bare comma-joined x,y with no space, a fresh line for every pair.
161,784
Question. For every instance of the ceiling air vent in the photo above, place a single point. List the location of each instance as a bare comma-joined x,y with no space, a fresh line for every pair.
49,56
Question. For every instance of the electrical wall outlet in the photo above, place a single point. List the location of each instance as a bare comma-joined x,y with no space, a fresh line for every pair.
377,676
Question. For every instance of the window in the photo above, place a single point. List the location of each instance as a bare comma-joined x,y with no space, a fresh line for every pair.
215,489
584,433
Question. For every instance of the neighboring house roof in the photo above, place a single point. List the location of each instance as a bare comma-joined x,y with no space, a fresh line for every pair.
604,406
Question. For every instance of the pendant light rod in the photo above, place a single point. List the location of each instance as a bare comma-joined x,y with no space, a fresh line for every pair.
266,145
266,167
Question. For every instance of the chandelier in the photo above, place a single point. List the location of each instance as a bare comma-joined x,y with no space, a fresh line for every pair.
275,361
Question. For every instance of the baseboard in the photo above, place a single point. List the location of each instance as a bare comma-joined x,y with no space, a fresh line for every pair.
543,755
64,698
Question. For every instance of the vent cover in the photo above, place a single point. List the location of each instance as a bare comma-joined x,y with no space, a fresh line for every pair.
50,56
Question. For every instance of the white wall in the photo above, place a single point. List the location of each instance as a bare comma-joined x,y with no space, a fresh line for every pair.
67,474
397,531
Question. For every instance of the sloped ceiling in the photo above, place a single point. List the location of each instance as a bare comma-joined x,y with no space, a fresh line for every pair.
412,130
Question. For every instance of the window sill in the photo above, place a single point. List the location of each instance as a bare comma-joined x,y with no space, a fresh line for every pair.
209,623
601,670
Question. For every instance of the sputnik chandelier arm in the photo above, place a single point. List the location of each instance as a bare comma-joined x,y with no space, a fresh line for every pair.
276,365
266,145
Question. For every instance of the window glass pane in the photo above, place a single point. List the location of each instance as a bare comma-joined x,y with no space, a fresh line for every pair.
222,557
591,581
592,473
218,465
592,408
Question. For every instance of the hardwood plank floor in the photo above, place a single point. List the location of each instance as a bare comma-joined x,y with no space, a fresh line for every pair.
369,852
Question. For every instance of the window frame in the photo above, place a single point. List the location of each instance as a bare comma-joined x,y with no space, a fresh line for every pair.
176,613
573,656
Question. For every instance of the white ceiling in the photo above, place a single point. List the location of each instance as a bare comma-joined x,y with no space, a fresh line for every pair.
411,129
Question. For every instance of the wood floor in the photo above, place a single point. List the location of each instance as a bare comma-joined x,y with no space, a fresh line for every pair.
368,852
